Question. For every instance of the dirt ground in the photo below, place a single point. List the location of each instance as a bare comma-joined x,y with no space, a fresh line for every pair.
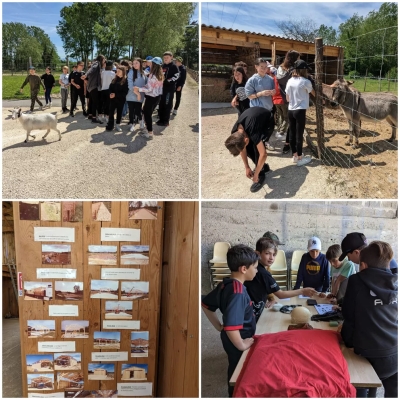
90,162
367,172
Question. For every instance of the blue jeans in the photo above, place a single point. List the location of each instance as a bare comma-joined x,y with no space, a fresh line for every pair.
47,94
125,109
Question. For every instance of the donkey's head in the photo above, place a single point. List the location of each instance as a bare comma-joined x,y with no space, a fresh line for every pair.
340,88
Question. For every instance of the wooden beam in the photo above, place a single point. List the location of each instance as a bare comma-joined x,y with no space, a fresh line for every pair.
273,59
217,46
227,42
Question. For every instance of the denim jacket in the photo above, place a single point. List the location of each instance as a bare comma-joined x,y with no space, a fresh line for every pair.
140,81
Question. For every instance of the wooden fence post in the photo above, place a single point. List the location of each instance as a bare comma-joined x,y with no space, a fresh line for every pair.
319,68
389,81
365,79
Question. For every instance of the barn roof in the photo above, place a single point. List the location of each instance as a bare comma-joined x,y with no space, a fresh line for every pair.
260,34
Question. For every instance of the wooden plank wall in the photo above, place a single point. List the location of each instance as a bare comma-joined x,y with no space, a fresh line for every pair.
87,232
10,303
179,334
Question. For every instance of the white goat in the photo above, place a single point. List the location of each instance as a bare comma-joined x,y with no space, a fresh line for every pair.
31,122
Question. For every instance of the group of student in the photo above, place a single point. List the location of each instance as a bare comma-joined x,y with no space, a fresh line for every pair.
272,96
364,285
134,88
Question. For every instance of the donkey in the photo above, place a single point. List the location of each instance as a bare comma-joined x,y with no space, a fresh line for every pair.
359,107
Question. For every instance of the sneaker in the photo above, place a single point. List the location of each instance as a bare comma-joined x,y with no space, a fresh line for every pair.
266,168
295,159
49,105
132,128
109,128
118,128
66,109
28,112
96,121
175,112
76,109
268,146
280,135
286,149
40,108
146,134
160,123
141,124
305,160
255,187
71,114
156,108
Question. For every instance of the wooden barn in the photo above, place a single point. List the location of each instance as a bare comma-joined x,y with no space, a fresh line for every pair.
66,361
100,212
42,364
134,373
221,48
70,380
42,382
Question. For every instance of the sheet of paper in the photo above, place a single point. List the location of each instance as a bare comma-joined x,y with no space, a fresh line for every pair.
323,308
63,311
110,356
42,395
135,389
120,273
120,235
304,297
283,299
121,324
56,273
47,234
50,347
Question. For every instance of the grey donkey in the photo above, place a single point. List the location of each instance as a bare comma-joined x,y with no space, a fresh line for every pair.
359,107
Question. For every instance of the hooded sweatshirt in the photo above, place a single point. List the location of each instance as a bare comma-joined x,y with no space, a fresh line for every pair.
370,313
171,75
93,77
313,272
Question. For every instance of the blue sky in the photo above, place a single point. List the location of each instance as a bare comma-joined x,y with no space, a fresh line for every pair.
262,17
32,358
140,335
107,367
39,323
45,16
107,335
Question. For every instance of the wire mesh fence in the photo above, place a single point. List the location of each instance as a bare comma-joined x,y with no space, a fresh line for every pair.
359,126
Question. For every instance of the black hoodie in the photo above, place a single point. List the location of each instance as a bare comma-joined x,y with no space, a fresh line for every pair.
370,313
171,75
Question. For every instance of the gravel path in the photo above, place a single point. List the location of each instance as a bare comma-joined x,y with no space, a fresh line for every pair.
223,176
90,162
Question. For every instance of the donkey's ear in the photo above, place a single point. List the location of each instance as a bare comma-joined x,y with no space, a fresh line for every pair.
350,82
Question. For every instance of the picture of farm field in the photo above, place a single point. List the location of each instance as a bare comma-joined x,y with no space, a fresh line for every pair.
41,329
68,290
134,290
134,255
75,329
102,289
143,210
102,255
106,340
118,310
38,290
56,254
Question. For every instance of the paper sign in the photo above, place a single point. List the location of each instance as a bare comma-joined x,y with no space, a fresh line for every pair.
43,273
120,235
46,234
110,356
63,311
135,389
121,324
120,273
51,347
20,285
41,395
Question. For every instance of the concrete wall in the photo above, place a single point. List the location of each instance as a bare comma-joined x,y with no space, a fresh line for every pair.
294,222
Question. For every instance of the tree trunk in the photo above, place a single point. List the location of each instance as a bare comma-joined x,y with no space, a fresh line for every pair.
319,69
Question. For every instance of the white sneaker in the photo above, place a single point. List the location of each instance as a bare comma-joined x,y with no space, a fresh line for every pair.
40,108
118,128
132,128
295,159
141,124
305,160
49,105
280,135
175,112
146,134
268,146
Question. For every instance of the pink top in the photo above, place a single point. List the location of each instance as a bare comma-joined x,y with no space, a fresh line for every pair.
153,88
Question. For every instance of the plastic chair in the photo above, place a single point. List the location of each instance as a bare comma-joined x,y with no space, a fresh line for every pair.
279,269
218,266
294,266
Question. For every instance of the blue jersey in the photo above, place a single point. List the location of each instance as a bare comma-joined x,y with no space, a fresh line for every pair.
231,298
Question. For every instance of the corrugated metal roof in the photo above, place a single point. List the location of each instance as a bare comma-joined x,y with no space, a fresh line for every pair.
260,34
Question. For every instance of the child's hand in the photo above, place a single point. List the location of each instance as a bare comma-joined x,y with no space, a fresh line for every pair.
249,172
330,296
309,292
270,303
247,343
255,177
333,301
322,294
139,96
339,328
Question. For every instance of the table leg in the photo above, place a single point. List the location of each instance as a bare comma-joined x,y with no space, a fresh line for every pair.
372,392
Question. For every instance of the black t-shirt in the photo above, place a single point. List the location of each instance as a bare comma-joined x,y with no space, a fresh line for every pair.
48,80
76,76
237,89
258,123
231,297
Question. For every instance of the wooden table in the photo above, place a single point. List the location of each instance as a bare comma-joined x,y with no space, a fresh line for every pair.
362,375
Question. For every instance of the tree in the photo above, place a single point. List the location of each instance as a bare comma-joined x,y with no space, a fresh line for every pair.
76,28
49,52
304,30
190,51
328,34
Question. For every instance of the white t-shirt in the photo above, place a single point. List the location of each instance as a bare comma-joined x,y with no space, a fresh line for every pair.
106,79
298,89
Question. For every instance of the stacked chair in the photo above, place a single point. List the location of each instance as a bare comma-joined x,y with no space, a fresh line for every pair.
218,266
279,270
294,266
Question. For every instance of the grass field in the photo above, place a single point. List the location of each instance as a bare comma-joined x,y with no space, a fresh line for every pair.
373,85
12,84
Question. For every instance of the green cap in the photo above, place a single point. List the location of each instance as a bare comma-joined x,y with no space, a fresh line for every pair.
271,236
180,59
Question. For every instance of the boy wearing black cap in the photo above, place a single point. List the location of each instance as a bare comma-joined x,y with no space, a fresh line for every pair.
231,298
179,83
254,127
352,245
34,83
171,75
370,314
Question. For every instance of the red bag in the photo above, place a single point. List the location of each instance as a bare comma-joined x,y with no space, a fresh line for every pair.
299,363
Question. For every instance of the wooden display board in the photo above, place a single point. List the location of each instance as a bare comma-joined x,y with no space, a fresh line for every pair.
87,232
